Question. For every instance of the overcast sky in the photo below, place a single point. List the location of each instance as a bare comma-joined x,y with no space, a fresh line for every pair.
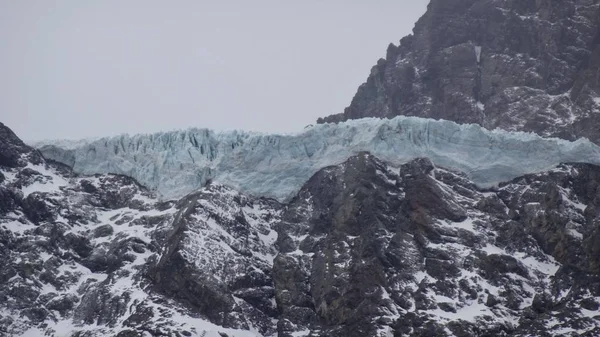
75,69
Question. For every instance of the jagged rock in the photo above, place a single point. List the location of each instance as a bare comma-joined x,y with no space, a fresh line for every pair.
8,200
36,208
526,65
12,150
104,230
130,333
63,304
99,306
364,249
235,269
542,302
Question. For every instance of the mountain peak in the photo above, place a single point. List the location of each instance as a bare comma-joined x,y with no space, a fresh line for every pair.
516,65
12,149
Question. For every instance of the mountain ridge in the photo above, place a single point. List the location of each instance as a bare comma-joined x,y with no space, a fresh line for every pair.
381,228
363,249
515,65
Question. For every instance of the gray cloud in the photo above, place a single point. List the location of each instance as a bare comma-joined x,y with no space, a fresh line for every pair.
73,69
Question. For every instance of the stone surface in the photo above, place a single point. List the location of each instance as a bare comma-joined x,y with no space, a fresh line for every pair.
538,68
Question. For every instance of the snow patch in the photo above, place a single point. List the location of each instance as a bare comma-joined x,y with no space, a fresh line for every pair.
51,182
478,53
17,227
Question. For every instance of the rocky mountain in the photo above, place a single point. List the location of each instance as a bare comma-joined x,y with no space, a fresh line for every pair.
527,65
362,249
405,226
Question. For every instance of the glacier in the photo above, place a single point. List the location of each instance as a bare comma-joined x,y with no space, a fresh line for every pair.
277,165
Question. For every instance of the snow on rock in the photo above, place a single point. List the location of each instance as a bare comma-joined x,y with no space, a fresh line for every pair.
88,251
596,101
420,247
478,53
176,163
47,180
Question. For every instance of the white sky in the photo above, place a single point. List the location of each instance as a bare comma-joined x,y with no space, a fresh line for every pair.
75,69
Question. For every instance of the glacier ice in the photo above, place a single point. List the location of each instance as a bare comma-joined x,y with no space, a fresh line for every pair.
277,165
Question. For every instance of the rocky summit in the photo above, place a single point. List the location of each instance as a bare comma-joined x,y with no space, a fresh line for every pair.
362,249
528,65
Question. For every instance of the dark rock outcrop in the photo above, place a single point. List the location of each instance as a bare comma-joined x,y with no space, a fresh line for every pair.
526,65
214,259
365,250
13,152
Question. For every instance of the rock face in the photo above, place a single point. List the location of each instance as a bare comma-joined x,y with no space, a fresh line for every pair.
425,253
363,249
219,258
12,148
528,65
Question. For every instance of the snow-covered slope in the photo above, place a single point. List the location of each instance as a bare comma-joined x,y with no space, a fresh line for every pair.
363,250
73,250
176,163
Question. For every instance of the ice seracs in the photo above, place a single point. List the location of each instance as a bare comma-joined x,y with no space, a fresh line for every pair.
176,163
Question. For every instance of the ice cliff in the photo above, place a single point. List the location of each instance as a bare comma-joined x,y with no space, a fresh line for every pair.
176,163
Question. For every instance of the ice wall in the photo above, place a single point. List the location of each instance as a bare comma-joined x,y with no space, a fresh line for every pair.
176,163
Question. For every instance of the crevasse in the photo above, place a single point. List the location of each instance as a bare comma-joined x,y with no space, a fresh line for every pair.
176,163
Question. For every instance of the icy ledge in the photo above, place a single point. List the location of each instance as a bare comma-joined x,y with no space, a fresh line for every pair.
176,163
